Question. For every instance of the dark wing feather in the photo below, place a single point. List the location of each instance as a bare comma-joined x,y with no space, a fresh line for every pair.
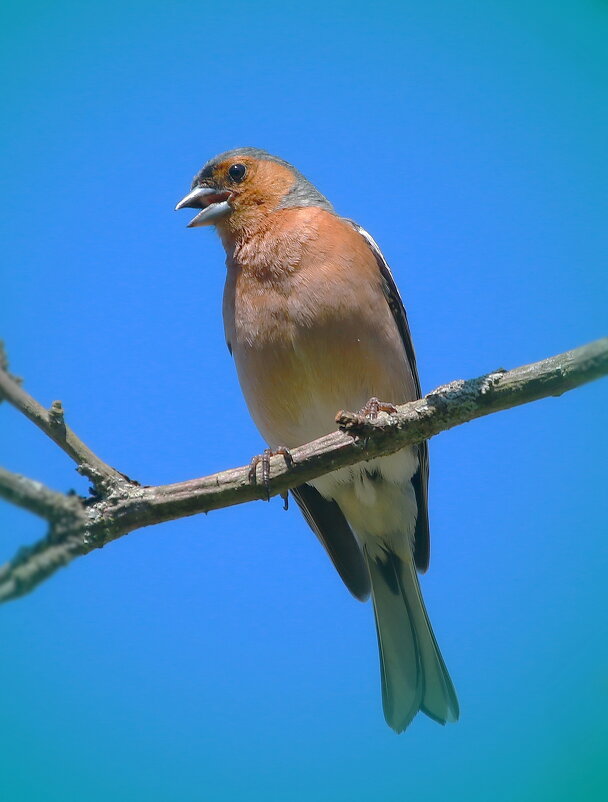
330,526
420,480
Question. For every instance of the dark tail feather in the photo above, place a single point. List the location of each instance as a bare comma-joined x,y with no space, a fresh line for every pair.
414,676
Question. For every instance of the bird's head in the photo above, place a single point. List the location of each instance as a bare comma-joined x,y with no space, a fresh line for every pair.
237,189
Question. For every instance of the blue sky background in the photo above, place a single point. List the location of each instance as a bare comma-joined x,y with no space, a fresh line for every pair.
220,658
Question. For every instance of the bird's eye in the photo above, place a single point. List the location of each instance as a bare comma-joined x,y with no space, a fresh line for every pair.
237,172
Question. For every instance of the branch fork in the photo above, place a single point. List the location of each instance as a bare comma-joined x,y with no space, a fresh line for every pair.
119,505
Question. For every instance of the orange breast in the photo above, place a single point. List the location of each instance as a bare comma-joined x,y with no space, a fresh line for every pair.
310,328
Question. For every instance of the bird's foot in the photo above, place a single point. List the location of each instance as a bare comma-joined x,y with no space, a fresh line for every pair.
358,424
264,459
374,406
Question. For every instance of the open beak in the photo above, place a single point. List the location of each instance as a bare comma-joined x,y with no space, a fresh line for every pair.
213,202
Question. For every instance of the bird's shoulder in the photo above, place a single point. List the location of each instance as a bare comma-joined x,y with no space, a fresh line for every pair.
392,296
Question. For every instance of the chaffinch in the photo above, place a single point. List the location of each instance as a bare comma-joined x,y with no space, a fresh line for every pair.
315,323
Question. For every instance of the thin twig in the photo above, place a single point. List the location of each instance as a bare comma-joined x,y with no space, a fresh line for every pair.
35,497
53,425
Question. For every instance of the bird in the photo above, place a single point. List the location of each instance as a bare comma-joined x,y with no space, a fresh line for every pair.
315,323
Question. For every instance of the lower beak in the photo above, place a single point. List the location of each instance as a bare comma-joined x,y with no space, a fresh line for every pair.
213,202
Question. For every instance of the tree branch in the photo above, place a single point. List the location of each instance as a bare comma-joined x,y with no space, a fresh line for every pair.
35,497
77,525
52,423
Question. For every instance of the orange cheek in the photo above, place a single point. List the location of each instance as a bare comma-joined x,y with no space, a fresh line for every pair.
260,193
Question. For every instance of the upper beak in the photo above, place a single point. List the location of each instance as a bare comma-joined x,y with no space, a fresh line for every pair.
213,202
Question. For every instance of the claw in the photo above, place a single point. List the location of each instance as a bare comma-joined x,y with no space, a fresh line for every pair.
264,458
252,469
374,406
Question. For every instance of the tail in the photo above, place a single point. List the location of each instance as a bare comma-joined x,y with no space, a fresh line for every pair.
414,676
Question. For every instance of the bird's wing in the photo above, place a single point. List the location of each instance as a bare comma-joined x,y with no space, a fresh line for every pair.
420,480
331,527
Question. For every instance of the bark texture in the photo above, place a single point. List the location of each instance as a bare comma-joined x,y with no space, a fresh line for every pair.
120,505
